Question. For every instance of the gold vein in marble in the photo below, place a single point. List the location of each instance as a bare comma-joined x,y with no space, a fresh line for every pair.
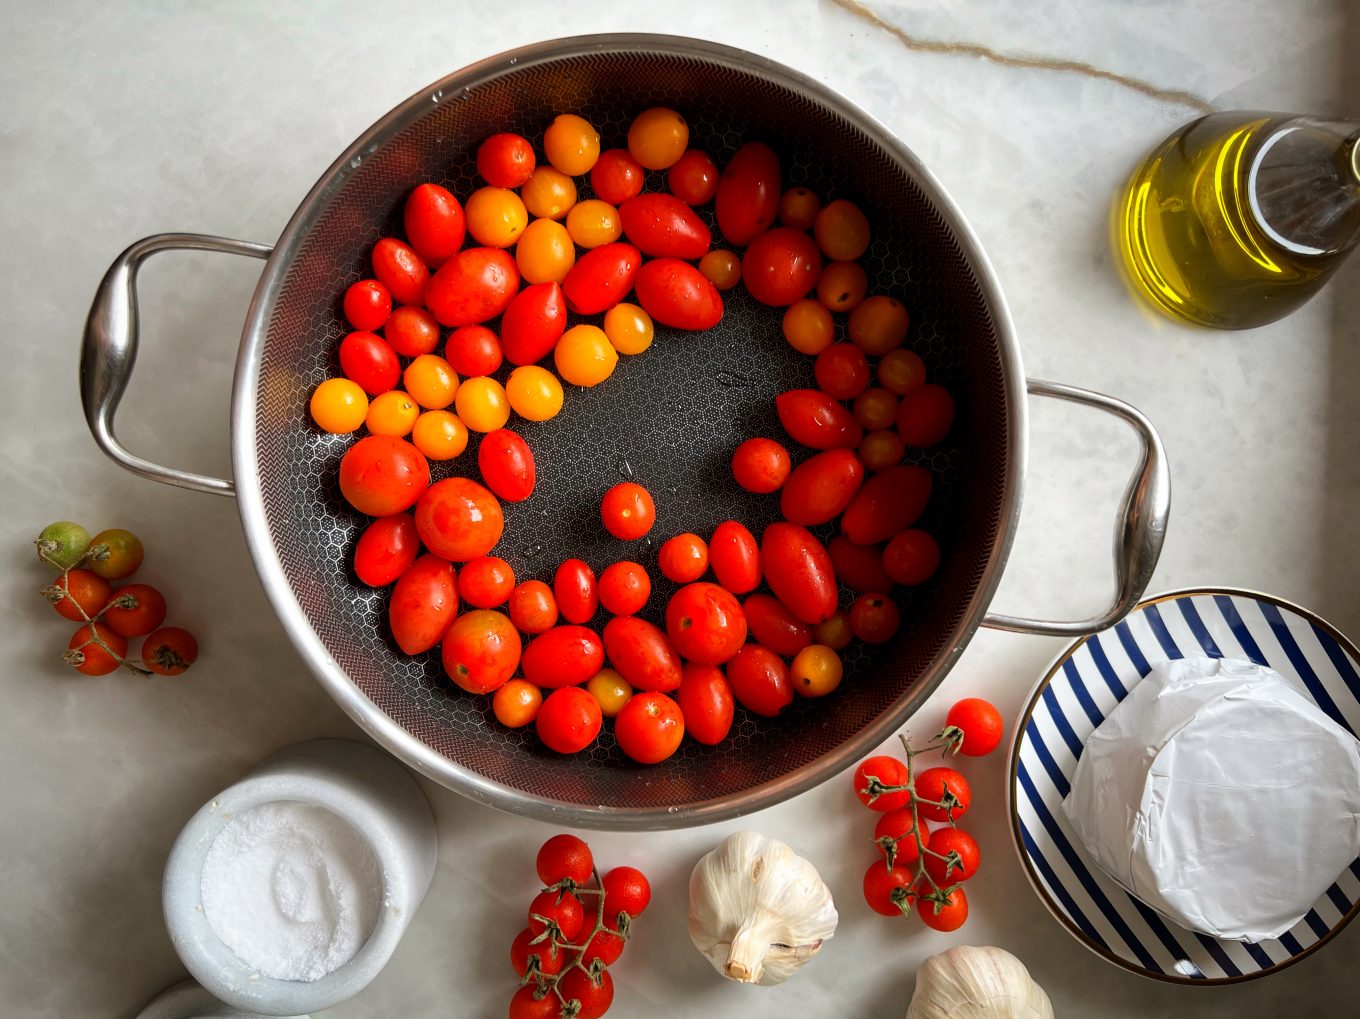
911,42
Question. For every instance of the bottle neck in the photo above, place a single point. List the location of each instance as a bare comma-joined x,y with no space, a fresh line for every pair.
1303,184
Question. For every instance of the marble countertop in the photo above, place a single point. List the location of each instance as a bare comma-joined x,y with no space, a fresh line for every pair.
126,120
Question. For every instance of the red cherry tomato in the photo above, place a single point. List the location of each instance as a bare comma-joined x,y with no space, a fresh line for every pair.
760,680
486,582
569,719
505,160
874,618
842,371
663,226
815,420
386,548
735,556
577,594
624,588
981,724
563,656
80,594
952,840
473,351
705,699
946,787
772,624
897,825
626,890
627,511
676,294
781,266
533,609
601,278
134,610
424,603
473,286
400,270
434,222
683,558
169,651
546,957
564,856
641,654
96,660
889,771
412,332
925,415
370,361
533,323
911,557
649,728
481,651
595,994
459,520
859,567
507,465
760,465
947,916
889,502
888,891
798,570
616,176
367,305
381,475
705,623
821,487
748,193
694,178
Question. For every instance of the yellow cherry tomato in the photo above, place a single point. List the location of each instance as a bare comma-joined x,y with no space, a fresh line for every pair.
431,381
901,370
816,671
482,404
629,328
842,285
571,144
440,435
544,252
808,326
495,216
798,208
721,267
657,138
584,356
593,222
392,413
879,325
534,393
835,632
516,703
548,193
842,231
610,690
339,406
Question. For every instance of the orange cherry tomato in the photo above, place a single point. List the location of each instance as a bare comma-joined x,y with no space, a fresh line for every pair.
78,594
571,144
439,435
879,325
882,449
584,356
834,632
496,217
482,404
798,208
629,328
808,327
901,370
430,381
548,193
85,654
722,268
657,138
516,703
545,253
842,231
815,671
169,651
338,406
683,558
842,286
593,222
875,409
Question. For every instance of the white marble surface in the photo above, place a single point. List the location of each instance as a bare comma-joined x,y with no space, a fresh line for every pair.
124,120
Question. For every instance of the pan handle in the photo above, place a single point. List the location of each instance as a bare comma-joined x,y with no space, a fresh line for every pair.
109,350
1139,532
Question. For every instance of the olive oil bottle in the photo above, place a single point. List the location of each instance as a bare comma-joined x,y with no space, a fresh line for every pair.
1239,218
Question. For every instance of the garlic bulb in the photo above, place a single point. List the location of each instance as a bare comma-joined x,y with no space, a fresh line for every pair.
757,910
977,983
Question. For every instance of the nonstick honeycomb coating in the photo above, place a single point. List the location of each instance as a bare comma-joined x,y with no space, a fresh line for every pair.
669,418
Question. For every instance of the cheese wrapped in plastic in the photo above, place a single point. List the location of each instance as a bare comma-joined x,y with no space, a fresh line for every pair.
1220,796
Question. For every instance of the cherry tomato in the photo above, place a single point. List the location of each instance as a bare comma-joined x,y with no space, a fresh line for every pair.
534,393
439,435
516,703
981,724
473,286
386,548
911,557
842,371
434,222
663,226
694,178
676,294
842,286
834,632
624,588
781,266
952,840
473,350
859,567
616,176
628,328
601,278
626,890
411,331
584,356
882,449
381,475
571,144
642,654
548,193
338,406
611,691
798,208
627,511
683,558
760,465
114,553
944,786
649,728
134,610
722,268
392,413
558,907
705,699
947,916
888,891
879,325
760,680
507,465
773,625
486,583
798,570
705,623
482,404
816,671
78,594
657,138
821,487
842,231
544,957
495,217
814,419
562,656
606,945
370,361
925,415
505,160
169,651
424,603
545,252
62,545
808,327
874,618
748,193
533,609
400,270
569,719
735,556
459,520
430,381
900,371
897,825
593,222
85,655
594,993
577,594
367,305
887,503
889,771
875,409
525,1004
481,651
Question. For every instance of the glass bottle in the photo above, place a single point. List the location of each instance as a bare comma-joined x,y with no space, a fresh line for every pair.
1239,218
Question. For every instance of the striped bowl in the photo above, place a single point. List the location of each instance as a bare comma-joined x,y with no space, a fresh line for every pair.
1076,694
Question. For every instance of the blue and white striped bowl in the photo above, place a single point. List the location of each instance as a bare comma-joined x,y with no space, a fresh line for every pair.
1081,688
